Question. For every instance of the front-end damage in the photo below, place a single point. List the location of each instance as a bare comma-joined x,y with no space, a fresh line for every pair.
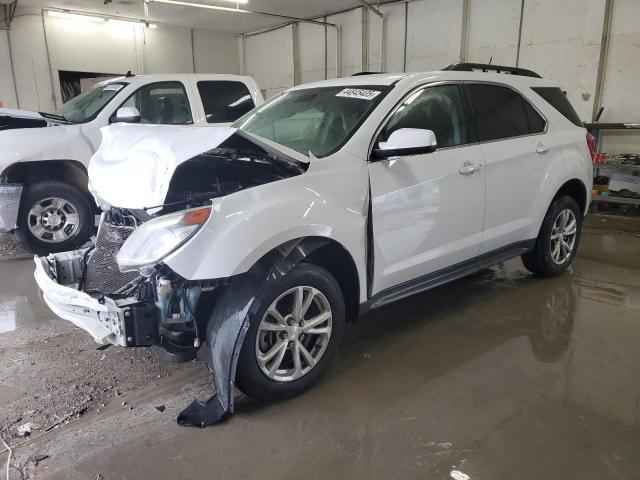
125,298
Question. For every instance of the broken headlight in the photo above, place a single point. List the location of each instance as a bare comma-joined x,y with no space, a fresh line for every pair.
157,238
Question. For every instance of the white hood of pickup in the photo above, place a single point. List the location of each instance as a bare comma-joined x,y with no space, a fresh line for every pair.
14,112
134,164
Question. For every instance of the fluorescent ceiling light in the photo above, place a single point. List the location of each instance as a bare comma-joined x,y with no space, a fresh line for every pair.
94,18
74,16
204,5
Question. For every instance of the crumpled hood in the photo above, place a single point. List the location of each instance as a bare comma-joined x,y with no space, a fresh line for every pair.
134,164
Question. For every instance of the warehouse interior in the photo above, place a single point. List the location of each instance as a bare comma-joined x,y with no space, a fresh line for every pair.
495,375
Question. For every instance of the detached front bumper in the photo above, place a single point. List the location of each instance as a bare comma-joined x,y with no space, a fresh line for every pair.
124,322
9,204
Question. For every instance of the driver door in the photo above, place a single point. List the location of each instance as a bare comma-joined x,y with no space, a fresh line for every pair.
427,209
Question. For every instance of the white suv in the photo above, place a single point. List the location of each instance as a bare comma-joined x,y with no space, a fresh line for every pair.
264,238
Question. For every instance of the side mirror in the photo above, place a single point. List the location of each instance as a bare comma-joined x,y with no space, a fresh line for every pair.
406,141
126,115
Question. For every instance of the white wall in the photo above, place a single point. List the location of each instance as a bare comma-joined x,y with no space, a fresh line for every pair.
312,52
621,95
269,59
560,40
7,93
215,52
31,66
102,48
167,50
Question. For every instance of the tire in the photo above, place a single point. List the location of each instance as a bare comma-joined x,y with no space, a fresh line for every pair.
549,258
65,219
251,376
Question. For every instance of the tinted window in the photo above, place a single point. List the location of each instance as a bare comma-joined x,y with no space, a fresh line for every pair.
164,103
560,102
225,101
501,112
435,108
536,122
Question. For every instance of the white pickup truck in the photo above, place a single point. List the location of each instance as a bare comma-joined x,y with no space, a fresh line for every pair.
44,195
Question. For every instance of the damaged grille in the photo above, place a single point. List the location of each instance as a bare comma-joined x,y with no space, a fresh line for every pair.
102,274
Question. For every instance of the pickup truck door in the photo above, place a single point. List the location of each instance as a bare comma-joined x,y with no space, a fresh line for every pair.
427,209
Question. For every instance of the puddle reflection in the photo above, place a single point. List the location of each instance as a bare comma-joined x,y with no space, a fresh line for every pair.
15,312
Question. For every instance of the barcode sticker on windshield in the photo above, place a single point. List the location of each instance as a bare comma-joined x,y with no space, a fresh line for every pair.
360,93
112,87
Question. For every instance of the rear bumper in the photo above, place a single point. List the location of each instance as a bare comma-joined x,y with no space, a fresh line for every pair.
103,320
9,204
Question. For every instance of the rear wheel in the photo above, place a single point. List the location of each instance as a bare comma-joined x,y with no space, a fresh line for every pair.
294,334
54,217
557,242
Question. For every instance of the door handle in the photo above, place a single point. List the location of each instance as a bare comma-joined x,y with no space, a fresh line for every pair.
469,168
542,148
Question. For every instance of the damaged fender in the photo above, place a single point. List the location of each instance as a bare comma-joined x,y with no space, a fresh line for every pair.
229,323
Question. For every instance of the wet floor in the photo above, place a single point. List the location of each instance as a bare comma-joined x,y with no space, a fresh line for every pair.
496,376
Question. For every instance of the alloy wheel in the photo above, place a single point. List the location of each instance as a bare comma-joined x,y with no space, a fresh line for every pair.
293,334
563,236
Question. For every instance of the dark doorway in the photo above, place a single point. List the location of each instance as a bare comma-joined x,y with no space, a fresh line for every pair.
73,84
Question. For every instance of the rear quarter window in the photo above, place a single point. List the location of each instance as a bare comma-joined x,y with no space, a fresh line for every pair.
225,101
558,100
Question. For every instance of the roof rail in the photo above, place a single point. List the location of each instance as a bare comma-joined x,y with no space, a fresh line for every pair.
365,73
485,67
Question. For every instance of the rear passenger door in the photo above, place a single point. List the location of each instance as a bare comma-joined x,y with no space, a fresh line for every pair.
512,136
224,101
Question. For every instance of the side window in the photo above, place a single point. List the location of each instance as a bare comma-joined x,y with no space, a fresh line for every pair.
439,109
225,101
501,112
162,103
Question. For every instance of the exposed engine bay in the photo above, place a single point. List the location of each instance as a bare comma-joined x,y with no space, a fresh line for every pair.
160,307
237,164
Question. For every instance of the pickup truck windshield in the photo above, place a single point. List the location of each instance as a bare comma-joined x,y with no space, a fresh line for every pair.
313,120
86,106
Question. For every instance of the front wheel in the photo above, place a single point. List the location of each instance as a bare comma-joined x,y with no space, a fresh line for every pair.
293,335
54,217
557,242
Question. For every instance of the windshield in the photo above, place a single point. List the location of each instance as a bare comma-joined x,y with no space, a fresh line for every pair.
316,120
87,105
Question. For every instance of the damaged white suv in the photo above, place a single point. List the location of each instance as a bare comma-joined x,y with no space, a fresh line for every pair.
264,238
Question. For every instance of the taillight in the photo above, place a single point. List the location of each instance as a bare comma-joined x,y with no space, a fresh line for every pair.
591,143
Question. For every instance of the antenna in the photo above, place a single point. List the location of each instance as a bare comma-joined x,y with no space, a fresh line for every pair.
490,60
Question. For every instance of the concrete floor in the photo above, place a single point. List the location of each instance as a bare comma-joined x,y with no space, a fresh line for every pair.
497,376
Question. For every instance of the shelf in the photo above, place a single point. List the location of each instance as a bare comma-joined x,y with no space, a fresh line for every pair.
616,200
613,126
614,166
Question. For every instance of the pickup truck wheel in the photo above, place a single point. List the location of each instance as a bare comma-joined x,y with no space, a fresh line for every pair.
54,217
294,334
557,242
